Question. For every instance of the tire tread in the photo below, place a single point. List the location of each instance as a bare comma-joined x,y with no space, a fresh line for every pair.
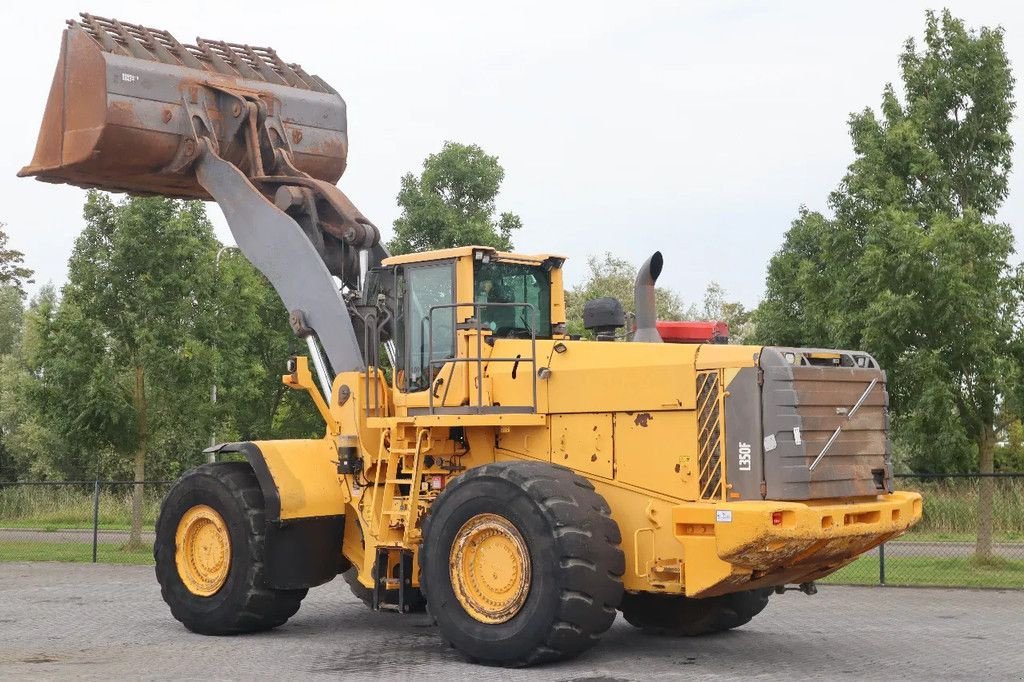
688,617
591,571
260,608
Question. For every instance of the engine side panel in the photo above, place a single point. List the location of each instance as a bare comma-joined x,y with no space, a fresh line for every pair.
743,438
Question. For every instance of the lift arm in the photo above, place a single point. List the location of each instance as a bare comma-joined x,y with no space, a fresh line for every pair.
277,246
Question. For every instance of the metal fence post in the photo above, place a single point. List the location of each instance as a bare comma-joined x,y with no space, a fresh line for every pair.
881,564
95,518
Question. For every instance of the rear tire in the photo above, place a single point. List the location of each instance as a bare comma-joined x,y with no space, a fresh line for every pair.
687,617
242,603
544,577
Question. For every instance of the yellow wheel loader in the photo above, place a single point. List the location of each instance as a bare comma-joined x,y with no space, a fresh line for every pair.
520,483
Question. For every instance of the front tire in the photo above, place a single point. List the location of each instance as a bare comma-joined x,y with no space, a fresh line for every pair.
688,617
210,553
520,564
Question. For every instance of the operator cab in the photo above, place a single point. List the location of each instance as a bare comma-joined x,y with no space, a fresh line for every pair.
431,297
497,282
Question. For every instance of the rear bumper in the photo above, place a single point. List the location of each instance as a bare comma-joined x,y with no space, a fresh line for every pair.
745,545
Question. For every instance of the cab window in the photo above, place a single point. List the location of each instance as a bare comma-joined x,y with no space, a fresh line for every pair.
498,282
427,336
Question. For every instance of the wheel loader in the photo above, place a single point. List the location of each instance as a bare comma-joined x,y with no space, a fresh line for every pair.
520,483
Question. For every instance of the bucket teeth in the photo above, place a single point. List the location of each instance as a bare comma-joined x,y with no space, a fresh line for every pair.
217,56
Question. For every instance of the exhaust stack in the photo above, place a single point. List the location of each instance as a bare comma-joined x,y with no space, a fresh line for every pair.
643,294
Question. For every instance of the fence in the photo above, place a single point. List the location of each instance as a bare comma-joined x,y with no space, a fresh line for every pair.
78,521
92,521
944,548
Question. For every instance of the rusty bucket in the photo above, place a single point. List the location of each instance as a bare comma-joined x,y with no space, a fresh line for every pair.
118,116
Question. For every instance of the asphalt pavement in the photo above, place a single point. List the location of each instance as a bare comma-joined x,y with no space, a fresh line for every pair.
59,621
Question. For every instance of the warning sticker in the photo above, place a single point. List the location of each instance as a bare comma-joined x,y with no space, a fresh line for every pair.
723,516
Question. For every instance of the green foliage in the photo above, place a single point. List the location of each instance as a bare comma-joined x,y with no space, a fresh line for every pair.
145,300
951,508
106,553
12,269
126,357
733,313
11,314
28,446
1009,454
922,570
61,507
912,267
251,342
451,203
10,317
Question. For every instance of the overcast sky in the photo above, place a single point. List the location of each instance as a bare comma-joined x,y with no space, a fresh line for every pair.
696,128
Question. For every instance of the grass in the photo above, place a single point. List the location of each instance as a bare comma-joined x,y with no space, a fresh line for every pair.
944,572
951,507
950,515
54,507
49,525
73,551
915,535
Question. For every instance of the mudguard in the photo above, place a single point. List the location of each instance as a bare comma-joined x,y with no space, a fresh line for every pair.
305,502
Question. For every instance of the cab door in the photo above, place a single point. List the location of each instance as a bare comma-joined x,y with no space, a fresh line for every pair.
426,338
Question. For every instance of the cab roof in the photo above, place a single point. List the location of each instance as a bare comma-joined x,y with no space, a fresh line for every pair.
467,252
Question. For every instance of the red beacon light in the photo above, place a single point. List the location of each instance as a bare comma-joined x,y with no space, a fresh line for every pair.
711,331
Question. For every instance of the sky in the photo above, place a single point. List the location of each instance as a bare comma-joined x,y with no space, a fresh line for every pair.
694,128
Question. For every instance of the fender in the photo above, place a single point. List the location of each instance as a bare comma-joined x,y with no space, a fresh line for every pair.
304,501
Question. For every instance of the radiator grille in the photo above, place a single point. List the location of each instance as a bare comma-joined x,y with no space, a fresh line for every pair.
709,430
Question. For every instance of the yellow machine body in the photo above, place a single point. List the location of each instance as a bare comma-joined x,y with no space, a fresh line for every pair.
718,469
626,416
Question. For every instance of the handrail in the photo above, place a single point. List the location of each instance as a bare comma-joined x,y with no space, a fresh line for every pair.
373,321
414,487
478,359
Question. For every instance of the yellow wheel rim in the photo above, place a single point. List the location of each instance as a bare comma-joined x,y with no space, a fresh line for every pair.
202,550
490,568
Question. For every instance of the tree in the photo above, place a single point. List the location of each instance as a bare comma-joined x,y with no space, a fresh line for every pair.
252,341
144,296
12,270
29,446
1009,454
613,276
912,266
11,314
451,203
126,361
10,317
733,313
